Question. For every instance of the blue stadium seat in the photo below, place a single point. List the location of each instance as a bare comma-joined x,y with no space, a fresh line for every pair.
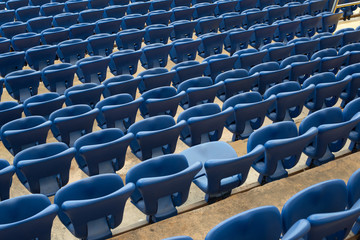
329,22
44,168
235,81
118,2
245,5
98,4
157,33
118,111
102,151
11,61
108,25
230,20
248,115
329,40
263,34
10,29
253,16
15,4
154,78
92,69
286,30
187,70
155,136
26,13
162,184
327,90
354,50
24,41
275,13
290,100
81,30
115,11
160,101
277,51
90,15
204,9
4,45
182,29
34,217
53,36
350,35
51,9
184,49
101,44
222,169
352,89
43,104
22,84
223,6
70,123
353,196
75,6
65,19
87,93
248,58
350,110
333,131
130,39
10,110
22,133
330,61
181,13
308,25
211,43
6,173
58,77
296,9
158,16
138,8
315,7
237,39
41,56
204,123
208,24
101,199
131,21
124,83
124,62
70,51
39,24
160,5
218,64
305,46
6,16
155,55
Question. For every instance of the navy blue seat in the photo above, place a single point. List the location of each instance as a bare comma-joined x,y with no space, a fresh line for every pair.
160,5
235,81
350,110
81,30
327,90
181,13
20,134
24,41
253,16
6,173
124,83
301,67
15,4
277,51
10,29
45,168
254,224
160,101
352,89
184,49
58,77
65,19
330,60
108,25
270,73
263,34
199,90
328,40
353,196
26,13
118,2
315,7
204,123
223,6
97,4
118,111
70,123
187,70
209,24
51,9
350,35
4,45
222,169
308,25
115,11
231,20
162,184
248,115
154,78
102,151
157,33
283,146
133,21
211,43
204,9
101,200
39,24
75,6
53,36
92,69
11,61
249,57
286,30
138,8
10,110
333,131
87,93
70,51
290,100
6,16
22,84
124,62
155,55
329,22
158,16
296,9
354,50
245,5
34,217
179,3
182,29
41,56
101,44
155,136
218,64
90,15
305,46
43,104
275,13
237,39
130,39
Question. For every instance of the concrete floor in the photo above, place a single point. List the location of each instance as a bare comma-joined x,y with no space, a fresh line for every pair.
134,218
